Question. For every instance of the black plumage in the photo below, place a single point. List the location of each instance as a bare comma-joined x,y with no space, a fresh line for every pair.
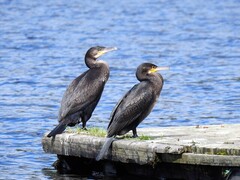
136,105
84,92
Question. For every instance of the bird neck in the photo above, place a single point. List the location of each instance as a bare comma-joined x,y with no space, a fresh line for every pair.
90,62
158,82
93,63
154,78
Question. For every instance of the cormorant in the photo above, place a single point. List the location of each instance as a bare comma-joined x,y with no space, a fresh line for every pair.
83,94
135,105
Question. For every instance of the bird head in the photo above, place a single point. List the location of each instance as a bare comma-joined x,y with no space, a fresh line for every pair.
146,69
97,51
155,68
149,68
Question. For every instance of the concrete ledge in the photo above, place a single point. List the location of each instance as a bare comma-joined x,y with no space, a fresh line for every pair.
215,145
204,159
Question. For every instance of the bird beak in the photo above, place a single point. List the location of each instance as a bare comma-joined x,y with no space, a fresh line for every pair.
106,50
110,49
158,69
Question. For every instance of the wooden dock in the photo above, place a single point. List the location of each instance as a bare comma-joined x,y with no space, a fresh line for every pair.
198,152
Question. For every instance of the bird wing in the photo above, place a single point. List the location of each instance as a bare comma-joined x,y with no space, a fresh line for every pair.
118,104
81,92
134,104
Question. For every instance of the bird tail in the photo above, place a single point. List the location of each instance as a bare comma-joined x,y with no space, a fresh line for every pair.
57,130
105,148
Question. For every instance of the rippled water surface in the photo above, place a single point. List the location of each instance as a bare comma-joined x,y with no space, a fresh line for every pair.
43,43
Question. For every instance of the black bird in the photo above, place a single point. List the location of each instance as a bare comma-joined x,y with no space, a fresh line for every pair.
136,105
83,94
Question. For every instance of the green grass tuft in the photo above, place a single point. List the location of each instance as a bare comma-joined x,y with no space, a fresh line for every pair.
141,137
93,131
144,137
99,132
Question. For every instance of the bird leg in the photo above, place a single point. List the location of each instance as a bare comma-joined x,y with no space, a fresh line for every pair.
134,133
84,122
84,125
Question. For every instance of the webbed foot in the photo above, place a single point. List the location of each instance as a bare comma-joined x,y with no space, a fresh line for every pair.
134,136
84,128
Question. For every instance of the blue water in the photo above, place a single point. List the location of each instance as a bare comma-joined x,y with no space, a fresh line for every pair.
43,43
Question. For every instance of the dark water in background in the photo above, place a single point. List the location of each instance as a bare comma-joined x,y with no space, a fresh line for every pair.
42,45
